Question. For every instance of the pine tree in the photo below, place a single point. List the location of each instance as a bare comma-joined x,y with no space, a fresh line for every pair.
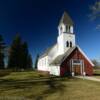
29,62
24,55
15,53
2,48
36,61
19,57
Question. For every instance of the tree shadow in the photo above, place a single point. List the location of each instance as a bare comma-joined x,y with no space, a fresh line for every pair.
96,74
54,84
5,73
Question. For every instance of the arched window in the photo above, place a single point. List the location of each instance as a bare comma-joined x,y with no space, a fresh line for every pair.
66,28
69,29
67,44
61,29
70,44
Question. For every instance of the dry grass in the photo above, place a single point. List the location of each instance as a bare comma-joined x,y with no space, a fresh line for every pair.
97,72
77,89
22,75
49,89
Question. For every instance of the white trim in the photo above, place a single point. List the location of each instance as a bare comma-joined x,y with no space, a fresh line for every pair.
85,56
70,66
73,65
84,73
81,67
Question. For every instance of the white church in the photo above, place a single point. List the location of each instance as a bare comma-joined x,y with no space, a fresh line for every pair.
65,57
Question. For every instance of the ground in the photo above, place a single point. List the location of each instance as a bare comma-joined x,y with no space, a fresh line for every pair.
36,86
97,73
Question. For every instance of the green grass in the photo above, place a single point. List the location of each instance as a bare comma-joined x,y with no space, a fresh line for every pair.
22,75
22,85
97,72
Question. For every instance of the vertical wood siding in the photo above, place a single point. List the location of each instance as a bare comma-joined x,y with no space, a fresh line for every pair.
76,54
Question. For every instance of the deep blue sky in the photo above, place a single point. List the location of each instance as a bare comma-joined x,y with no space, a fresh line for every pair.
37,22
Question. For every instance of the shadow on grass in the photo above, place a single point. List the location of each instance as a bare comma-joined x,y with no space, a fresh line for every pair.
96,74
55,85
52,84
5,72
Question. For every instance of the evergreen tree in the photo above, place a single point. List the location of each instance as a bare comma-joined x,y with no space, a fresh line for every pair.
29,62
24,55
19,57
36,61
15,53
2,48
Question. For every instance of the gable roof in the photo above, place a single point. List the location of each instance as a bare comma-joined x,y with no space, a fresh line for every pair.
46,52
59,59
66,19
85,56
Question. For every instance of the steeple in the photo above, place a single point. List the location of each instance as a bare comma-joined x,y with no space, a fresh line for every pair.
65,24
65,19
66,38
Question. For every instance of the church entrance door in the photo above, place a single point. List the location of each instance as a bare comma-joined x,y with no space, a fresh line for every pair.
76,67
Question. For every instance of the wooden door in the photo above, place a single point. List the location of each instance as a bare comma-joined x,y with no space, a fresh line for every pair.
77,69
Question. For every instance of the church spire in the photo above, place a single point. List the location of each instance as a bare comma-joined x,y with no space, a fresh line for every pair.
66,38
66,24
65,19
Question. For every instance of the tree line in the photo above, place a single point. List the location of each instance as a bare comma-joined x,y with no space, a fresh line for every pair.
18,55
96,63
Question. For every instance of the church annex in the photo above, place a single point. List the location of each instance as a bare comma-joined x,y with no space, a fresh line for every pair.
65,57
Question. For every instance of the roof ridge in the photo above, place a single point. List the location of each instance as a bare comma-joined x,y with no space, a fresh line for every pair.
47,50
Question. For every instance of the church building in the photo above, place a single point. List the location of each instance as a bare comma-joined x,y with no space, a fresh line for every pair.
65,57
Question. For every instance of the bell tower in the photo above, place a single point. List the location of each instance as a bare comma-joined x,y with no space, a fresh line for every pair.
66,37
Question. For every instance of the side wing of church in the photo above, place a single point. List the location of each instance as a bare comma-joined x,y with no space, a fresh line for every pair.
65,57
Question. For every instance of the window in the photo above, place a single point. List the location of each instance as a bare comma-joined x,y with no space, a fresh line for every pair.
70,44
67,44
66,28
69,29
45,62
76,61
61,29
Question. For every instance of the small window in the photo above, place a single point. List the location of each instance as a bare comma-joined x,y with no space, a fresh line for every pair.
67,44
61,28
45,61
70,44
69,29
66,28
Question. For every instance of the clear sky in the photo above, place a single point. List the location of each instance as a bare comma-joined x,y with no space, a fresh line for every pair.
37,22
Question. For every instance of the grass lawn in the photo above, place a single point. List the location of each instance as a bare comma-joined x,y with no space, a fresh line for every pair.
20,85
97,73
24,75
